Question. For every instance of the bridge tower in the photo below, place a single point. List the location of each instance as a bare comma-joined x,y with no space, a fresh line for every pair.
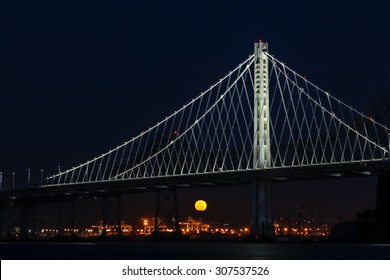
261,217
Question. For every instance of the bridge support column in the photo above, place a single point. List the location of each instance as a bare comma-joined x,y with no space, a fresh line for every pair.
33,222
69,221
112,214
23,218
382,201
1,218
59,224
8,206
261,226
72,217
166,216
26,212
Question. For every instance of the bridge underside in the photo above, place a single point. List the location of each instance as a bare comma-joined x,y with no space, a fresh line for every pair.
275,175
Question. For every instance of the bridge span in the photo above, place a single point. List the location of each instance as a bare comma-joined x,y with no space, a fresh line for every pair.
262,123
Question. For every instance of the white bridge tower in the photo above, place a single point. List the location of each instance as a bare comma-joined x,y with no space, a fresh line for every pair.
261,218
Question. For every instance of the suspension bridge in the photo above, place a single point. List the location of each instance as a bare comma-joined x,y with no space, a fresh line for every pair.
260,123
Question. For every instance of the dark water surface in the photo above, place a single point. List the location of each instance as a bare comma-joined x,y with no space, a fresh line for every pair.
193,250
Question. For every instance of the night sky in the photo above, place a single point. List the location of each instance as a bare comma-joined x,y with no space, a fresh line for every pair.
80,77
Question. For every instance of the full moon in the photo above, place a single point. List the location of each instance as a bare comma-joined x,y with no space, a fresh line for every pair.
200,205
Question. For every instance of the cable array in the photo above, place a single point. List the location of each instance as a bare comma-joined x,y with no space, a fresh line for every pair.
208,134
311,127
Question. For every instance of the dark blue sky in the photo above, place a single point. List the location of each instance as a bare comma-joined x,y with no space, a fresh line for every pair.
79,77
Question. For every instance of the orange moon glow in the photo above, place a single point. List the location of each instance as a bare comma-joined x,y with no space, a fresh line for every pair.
200,205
